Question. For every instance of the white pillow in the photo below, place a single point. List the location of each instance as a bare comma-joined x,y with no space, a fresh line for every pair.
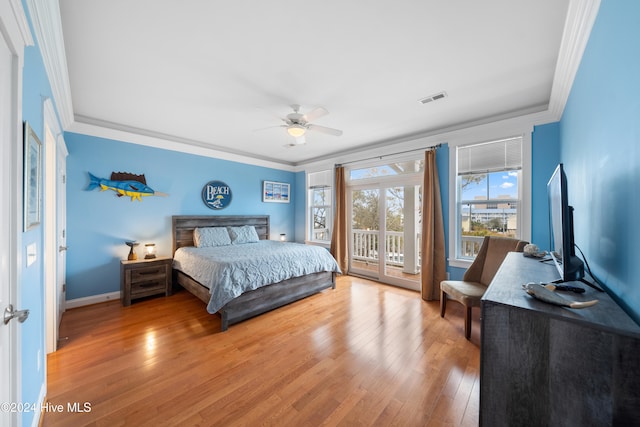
244,234
211,236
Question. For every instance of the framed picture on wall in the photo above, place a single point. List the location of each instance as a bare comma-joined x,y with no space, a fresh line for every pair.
32,174
275,192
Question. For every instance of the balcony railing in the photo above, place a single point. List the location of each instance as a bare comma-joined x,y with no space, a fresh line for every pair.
365,245
321,234
470,246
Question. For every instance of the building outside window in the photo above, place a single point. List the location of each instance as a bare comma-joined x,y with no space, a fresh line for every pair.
489,193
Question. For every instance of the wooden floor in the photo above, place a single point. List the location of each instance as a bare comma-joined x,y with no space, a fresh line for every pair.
362,354
391,270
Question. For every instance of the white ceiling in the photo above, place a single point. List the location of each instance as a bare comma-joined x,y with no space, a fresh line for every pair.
213,73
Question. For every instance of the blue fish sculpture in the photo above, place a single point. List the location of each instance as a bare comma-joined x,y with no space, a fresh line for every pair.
124,184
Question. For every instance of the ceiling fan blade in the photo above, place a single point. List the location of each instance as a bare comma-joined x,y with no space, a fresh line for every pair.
269,127
324,129
315,113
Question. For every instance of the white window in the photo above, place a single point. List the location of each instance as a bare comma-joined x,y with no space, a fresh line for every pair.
488,193
386,170
320,206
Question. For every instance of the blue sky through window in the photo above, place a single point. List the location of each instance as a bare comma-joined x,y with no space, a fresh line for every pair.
500,184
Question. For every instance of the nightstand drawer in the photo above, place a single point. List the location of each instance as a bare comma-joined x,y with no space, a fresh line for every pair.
153,287
146,274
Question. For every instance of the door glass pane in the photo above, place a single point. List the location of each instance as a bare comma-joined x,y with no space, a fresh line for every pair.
365,222
401,239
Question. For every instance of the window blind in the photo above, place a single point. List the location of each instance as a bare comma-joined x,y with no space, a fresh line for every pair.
322,179
495,156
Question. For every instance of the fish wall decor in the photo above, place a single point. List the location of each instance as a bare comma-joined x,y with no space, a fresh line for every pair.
124,184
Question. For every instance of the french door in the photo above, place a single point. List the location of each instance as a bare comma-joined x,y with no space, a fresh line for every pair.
384,242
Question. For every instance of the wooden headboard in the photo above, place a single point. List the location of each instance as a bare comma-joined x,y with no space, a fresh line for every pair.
183,226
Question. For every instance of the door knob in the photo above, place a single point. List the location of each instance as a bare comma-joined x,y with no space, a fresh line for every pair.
10,313
62,248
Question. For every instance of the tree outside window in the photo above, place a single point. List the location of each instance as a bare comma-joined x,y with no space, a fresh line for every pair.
320,214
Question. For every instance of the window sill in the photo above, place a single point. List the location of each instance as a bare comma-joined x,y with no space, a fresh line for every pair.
459,263
326,245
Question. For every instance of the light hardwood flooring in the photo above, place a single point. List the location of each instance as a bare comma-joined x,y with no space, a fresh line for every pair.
362,354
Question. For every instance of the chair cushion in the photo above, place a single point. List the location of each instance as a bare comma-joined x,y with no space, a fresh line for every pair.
466,293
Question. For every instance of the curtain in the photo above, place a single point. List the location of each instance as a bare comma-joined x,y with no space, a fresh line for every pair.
339,244
433,257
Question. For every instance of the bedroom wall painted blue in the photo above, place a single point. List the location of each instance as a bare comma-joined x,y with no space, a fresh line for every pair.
35,90
300,206
99,223
600,140
545,156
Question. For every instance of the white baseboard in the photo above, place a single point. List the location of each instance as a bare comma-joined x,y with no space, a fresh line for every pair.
37,415
94,299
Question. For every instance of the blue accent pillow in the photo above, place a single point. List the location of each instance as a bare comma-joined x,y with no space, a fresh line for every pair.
244,234
211,236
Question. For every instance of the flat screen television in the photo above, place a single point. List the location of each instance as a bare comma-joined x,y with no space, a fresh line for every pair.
562,247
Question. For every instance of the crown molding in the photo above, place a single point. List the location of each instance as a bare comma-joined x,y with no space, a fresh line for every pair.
21,22
108,130
513,123
15,27
47,26
581,16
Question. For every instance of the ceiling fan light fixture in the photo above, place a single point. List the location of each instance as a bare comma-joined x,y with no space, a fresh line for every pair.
296,130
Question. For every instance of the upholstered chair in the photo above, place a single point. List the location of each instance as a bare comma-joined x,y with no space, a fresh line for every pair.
470,289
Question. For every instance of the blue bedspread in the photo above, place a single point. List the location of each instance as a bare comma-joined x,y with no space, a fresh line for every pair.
229,271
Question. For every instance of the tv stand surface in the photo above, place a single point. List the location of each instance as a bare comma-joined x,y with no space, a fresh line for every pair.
583,280
544,365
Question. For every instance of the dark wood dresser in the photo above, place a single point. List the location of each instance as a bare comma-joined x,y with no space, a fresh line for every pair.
544,365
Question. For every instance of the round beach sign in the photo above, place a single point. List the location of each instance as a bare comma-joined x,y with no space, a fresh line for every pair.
216,195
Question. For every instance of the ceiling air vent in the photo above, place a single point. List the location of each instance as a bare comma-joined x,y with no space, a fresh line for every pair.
431,98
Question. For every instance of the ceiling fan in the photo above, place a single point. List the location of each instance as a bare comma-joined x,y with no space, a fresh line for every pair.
298,124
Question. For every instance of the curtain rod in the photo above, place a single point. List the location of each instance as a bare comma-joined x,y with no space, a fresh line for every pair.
431,147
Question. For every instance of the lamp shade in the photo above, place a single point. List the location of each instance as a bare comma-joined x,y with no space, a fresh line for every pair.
296,130
150,250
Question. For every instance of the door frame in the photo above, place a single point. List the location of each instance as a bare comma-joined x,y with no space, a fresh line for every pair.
16,35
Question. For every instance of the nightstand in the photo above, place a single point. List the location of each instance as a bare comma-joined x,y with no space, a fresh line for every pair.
145,277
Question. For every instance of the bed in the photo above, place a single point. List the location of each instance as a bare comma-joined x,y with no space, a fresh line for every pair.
252,302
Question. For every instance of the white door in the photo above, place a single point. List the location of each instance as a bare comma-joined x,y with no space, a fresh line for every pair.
384,234
61,215
7,331
55,225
